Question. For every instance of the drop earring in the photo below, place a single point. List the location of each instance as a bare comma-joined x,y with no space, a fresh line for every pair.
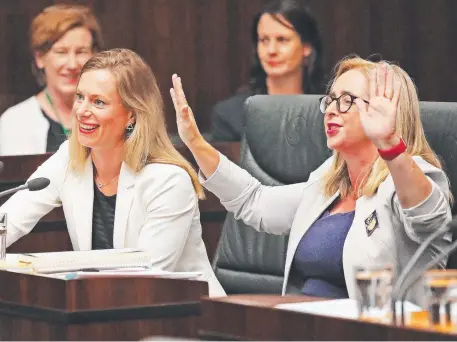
129,130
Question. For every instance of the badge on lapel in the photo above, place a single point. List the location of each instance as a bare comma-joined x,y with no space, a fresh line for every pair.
371,223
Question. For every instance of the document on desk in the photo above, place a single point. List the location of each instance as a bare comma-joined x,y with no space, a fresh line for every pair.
125,273
342,308
78,260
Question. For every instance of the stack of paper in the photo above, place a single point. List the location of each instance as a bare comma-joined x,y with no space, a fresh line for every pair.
80,260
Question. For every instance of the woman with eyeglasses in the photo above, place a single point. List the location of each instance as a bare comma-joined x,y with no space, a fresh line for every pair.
62,38
373,202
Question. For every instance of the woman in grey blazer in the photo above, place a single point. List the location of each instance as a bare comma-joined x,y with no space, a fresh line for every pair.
373,202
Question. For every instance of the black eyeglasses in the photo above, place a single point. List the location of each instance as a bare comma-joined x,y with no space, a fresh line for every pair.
343,103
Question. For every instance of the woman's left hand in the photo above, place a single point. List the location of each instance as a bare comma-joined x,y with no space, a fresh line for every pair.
379,116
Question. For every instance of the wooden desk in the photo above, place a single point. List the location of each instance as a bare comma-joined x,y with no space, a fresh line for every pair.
50,234
253,317
41,308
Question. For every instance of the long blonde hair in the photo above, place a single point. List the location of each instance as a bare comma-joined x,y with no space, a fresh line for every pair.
140,94
409,126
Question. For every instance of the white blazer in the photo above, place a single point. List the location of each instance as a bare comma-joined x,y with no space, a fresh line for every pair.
292,209
23,129
156,210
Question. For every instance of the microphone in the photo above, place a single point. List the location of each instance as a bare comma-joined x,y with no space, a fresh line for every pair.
32,185
401,285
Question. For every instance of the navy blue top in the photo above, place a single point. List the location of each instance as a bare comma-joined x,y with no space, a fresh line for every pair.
319,256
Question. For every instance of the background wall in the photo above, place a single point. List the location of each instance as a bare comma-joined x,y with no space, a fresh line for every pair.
207,42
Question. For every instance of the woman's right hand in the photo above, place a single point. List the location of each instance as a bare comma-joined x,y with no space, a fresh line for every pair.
187,126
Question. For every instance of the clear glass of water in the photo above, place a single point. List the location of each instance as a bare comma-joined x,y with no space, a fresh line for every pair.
3,222
374,292
440,287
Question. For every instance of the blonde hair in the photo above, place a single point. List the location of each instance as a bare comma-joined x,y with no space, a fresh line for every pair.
140,94
409,126
54,22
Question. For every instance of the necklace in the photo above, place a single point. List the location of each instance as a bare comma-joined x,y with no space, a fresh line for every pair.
101,185
48,97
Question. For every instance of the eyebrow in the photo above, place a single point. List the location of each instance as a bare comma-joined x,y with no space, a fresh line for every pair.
344,92
90,95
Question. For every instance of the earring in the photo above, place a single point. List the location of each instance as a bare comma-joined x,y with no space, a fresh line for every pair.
129,130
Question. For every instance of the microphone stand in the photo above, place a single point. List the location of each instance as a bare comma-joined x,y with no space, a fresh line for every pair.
13,190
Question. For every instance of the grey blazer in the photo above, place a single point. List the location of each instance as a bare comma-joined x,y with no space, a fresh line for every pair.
292,209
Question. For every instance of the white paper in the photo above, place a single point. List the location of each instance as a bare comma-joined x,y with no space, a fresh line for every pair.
122,273
342,308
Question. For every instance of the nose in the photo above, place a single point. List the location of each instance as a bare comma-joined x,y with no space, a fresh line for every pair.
72,62
81,109
272,47
332,109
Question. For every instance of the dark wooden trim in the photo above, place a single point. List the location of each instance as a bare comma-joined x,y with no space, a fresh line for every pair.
98,316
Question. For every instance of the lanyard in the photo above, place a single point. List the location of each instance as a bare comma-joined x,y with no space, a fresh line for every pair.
48,97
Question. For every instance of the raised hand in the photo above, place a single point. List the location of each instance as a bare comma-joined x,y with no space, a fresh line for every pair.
187,126
379,117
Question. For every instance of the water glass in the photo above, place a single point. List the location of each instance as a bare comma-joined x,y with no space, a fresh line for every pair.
374,292
440,287
3,222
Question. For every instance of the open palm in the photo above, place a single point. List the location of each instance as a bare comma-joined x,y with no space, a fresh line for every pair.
185,120
379,117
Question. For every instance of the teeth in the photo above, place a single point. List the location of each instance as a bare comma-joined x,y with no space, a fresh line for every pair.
88,127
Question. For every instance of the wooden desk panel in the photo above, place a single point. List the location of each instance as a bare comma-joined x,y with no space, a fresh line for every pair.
253,317
40,308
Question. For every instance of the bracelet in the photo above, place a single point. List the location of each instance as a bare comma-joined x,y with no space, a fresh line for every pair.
394,151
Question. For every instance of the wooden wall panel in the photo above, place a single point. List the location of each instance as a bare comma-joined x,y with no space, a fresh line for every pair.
208,42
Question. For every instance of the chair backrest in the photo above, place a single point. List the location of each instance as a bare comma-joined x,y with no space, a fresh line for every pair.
284,142
440,125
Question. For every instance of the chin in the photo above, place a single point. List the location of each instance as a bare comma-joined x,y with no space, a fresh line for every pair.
86,142
275,72
335,143
67,89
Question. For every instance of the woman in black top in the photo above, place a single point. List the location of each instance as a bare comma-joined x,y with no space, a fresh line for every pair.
287,60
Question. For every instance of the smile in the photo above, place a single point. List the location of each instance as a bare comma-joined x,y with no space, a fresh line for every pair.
87,129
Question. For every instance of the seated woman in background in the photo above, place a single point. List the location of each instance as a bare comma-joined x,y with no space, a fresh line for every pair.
62,39
373,202
287,60
119,179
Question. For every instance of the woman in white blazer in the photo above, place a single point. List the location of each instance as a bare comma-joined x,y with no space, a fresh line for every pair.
373,202
62,38
119,179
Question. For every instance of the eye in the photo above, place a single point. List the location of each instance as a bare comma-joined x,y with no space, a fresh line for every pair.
283,39
346,100
83,52
99,103
328,101
79,97
263,40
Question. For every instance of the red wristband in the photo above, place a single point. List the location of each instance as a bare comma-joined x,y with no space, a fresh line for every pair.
393,152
